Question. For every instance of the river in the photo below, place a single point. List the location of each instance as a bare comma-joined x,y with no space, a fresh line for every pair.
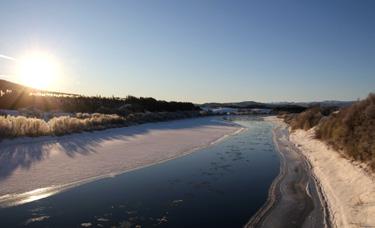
222,185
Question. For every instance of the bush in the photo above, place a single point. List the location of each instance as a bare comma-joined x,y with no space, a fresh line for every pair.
352,130
305,120
11,126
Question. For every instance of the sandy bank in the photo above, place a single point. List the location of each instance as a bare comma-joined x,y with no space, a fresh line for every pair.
349,190
28,164
294,198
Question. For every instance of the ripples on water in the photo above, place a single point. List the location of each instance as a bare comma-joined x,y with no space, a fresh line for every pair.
220,186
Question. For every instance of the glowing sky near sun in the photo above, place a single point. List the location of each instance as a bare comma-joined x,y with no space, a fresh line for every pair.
193,50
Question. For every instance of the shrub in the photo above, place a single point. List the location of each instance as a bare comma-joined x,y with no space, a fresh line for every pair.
11,126
304,120
352,130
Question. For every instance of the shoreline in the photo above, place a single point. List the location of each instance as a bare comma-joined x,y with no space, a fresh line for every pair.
209,131
271,197
294,198
327,213
348,188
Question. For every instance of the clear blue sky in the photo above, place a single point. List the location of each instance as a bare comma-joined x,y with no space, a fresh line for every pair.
200,51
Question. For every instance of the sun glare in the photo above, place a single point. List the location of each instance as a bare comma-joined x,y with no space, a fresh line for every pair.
38,70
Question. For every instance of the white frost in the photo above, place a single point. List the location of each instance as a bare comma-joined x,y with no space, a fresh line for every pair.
37,163
350,191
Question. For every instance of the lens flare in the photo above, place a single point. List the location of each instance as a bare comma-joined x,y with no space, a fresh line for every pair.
38,70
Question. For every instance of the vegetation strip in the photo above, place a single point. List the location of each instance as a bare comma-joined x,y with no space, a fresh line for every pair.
18,126
349,130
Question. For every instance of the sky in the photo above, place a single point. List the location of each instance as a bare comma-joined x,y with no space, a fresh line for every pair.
199,51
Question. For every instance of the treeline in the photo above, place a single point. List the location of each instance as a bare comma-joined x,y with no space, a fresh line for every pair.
349,129
31,112
107,105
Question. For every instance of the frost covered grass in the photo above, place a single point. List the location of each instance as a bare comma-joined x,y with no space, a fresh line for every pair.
16,126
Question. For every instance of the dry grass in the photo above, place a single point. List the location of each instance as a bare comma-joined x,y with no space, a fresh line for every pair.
11,126
304,120
17,126
352,130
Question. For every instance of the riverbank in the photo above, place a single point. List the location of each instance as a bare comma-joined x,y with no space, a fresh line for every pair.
41,166
342,191
294,200
347,186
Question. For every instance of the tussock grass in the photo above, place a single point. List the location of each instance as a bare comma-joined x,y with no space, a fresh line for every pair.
11,126
16,126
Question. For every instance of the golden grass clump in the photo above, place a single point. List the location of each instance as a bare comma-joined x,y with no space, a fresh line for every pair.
16,126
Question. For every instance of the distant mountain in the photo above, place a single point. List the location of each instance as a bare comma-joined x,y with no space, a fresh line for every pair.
329,103
256,105
243,104
253,104
277,106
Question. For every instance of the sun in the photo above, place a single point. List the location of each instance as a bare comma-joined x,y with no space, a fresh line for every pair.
38,70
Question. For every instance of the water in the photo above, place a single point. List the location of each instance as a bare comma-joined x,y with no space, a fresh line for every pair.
220,186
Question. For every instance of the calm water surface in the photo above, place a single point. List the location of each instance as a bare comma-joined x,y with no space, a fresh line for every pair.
220,186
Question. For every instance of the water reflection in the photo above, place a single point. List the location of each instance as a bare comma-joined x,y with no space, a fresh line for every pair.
27,197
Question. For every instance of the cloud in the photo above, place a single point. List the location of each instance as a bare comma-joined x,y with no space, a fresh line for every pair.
7,57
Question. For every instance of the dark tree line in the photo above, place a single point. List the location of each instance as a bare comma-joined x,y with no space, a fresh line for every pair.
20,97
